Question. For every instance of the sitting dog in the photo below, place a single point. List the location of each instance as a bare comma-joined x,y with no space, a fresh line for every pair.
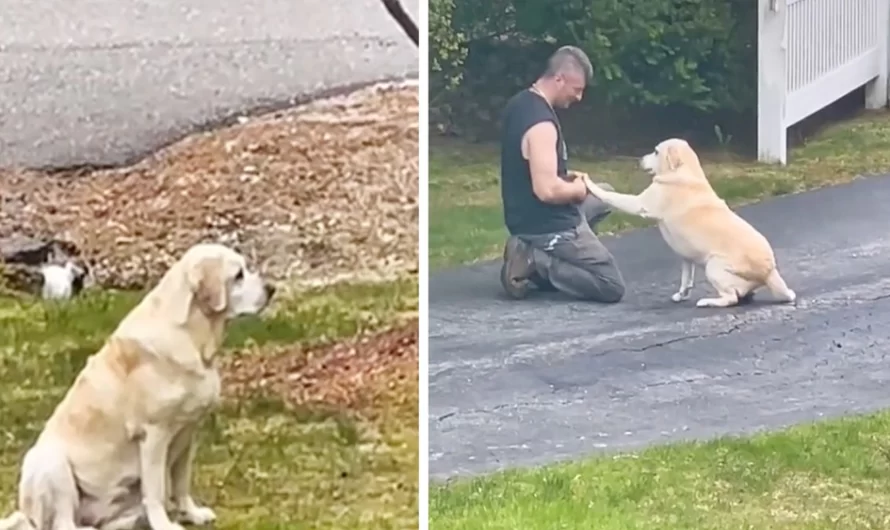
701,228
120,444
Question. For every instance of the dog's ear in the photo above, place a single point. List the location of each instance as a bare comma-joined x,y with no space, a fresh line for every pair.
673,157
208,283
190,282
175,293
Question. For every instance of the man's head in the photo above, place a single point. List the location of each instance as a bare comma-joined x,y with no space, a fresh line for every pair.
567,74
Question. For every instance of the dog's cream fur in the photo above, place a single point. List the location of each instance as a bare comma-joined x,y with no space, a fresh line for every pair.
120,444
701,228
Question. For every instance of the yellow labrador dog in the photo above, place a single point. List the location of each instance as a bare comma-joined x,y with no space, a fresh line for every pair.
701,228
120,444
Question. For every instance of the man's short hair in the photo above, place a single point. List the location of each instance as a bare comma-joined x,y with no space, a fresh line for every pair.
569,57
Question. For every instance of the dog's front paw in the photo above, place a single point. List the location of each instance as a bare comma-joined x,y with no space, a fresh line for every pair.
679,296
199,515
191,513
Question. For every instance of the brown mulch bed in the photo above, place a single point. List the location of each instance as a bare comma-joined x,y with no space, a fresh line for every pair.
349,375
316,194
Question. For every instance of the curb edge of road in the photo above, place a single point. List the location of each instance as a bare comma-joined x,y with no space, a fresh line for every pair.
230,118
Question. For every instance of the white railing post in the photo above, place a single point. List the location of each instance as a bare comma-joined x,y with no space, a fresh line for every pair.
771,81
876,89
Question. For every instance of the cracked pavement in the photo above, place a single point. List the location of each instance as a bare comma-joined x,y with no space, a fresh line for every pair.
103,82
521,383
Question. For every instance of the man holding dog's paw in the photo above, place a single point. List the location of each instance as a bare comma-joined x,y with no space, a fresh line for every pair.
547,209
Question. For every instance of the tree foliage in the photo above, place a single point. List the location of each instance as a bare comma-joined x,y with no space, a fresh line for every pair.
695,54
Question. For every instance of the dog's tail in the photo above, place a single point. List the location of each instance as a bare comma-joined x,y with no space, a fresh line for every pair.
778,288
16,521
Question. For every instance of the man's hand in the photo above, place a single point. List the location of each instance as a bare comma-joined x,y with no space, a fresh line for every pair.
578,180
595,189
580,188
588,183
572,174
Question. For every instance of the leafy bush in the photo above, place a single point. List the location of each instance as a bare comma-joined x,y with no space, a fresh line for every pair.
447,45
694,54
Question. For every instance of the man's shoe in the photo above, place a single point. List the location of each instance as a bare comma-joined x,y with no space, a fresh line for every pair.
517,268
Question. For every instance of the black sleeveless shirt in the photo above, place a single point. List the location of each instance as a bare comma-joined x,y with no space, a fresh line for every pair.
524,213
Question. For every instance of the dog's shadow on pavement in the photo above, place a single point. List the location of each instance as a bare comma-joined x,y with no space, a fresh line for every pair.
478,286
643,299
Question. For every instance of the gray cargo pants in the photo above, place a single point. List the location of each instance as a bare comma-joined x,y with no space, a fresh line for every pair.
575,261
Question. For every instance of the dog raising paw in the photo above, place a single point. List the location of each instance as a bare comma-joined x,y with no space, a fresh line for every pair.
700,227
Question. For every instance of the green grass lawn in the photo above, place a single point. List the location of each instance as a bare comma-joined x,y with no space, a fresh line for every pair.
261,465
831,475
465,215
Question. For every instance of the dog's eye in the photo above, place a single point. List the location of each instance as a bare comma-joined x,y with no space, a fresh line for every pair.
240,275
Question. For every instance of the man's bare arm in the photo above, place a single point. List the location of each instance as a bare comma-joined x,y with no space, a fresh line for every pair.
539,148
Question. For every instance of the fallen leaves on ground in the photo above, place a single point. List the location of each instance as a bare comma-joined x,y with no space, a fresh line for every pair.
349,375
320,193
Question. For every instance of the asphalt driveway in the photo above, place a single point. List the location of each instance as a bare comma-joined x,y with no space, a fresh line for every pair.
528,382
104,82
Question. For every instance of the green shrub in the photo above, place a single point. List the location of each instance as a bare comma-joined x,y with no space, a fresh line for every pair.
447,45
698,55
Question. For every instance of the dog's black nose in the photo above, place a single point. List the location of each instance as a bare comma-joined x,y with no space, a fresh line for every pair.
270,290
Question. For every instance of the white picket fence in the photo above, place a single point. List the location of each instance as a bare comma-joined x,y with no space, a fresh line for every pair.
810,54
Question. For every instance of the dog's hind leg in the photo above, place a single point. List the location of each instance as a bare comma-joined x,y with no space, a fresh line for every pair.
727,285
48,495
134,518
746,298
16,521
778,288
687,278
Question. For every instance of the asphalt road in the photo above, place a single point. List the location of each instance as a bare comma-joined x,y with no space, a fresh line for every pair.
104,82
543,379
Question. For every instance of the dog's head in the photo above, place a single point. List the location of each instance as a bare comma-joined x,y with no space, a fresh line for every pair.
215,280
670,155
